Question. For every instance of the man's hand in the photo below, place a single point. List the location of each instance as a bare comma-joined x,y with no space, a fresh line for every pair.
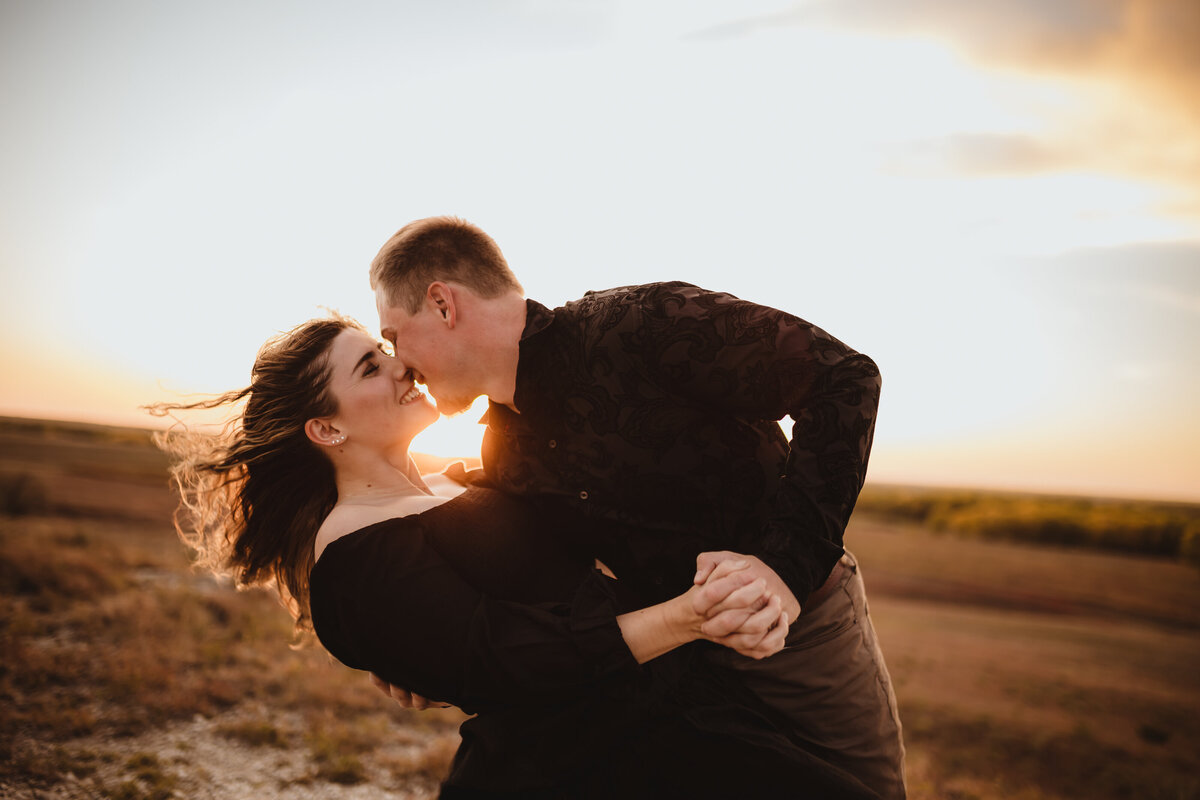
738,611
403,697
707,563
763,634
752,619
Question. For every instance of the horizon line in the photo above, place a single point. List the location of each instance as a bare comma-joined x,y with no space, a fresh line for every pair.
994,488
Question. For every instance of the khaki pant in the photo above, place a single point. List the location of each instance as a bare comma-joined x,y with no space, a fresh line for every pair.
831,683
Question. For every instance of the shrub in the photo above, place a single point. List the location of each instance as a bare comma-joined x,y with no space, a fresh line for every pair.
1189,544
22,495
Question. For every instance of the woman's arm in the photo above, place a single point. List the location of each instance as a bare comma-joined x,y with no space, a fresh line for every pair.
730,600
725,609
385,601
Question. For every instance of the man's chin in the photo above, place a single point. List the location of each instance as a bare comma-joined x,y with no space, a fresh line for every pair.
452,406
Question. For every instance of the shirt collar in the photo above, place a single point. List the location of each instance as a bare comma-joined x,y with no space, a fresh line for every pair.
537,318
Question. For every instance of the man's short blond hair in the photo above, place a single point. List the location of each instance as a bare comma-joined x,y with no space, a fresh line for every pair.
440,249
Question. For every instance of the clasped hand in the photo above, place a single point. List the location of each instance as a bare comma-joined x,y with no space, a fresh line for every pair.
745,604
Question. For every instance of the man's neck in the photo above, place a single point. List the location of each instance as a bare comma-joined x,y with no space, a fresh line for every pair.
505,327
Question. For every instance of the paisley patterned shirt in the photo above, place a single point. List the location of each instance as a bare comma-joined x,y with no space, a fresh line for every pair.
654,411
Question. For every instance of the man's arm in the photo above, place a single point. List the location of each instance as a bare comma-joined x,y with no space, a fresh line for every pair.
761,363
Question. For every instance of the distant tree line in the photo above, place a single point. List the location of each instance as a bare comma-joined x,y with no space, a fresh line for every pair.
1127,526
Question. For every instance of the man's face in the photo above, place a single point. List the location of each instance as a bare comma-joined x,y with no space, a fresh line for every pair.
429,347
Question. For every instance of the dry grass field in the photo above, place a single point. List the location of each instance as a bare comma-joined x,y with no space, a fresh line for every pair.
1022,671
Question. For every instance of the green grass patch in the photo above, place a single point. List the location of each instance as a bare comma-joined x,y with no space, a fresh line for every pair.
1125,526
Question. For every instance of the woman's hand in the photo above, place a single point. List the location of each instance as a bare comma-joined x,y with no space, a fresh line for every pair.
706,563
739,611
732,607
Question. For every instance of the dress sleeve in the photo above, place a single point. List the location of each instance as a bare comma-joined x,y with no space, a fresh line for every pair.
385,601
762,364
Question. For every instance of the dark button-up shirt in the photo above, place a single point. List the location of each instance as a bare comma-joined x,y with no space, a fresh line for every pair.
654,410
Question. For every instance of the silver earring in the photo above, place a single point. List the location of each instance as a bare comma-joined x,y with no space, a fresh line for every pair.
338,439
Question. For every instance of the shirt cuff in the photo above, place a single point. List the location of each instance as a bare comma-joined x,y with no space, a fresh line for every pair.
805,579
594,626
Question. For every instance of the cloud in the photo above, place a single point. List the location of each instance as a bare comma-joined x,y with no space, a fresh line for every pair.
1140,372
980,154
1169,297
1149,286
1139,59
1106,142
1149,41
1158,36
1064,31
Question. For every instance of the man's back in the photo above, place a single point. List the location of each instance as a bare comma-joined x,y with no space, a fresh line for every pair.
654,409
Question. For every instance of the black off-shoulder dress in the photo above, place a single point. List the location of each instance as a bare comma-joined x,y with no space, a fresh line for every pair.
477,602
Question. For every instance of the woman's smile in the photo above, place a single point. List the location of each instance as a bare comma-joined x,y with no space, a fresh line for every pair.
412,394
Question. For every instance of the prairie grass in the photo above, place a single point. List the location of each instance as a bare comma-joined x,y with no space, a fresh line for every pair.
431,763
908,560
1037,672
104,638
1024,671
255,733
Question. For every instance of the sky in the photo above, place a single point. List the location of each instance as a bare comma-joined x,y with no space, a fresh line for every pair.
999,201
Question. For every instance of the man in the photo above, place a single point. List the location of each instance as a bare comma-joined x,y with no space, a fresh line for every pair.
653,410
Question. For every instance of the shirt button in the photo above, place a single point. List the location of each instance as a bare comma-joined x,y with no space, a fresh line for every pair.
583,495
553,444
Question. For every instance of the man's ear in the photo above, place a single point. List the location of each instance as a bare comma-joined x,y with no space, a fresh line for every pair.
441,296
321,432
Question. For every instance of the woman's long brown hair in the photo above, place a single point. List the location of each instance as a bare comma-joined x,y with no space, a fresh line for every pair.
253,496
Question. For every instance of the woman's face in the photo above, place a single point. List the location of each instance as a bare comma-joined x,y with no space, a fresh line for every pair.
379,405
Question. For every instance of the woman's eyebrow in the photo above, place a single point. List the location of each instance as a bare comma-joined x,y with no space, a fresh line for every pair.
367,357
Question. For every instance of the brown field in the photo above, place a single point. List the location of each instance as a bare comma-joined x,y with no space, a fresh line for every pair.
1022,671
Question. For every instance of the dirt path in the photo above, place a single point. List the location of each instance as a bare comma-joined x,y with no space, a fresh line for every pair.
195,760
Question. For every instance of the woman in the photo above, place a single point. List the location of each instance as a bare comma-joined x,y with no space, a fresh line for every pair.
472,597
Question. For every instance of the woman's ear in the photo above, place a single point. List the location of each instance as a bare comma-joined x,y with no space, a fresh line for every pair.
321,432
441,296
